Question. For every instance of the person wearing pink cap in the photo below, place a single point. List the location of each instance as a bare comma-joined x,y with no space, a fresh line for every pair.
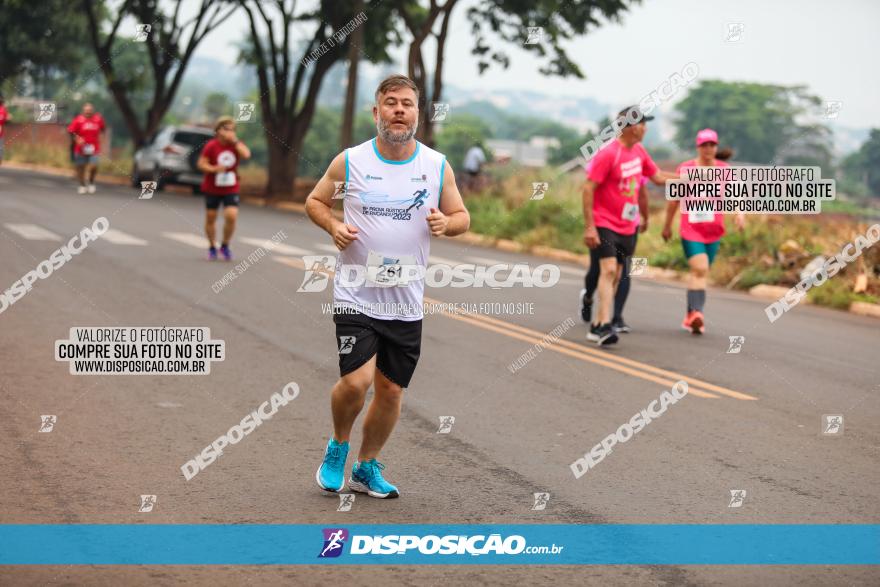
701,233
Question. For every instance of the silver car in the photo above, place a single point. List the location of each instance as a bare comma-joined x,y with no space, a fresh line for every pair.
170,157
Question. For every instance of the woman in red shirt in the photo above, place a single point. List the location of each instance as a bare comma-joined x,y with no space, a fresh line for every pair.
219,162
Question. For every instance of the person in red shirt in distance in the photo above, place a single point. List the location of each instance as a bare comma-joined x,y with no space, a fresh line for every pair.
219,162
86,129
4,118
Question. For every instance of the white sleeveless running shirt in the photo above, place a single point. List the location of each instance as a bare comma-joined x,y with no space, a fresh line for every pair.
381,274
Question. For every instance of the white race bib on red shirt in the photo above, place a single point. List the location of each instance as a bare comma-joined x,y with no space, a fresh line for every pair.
224,179
698,216
630,212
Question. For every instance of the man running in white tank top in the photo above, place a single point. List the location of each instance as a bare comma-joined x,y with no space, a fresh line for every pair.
396,194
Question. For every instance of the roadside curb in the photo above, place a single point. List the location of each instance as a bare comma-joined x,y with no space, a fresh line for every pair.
103,177
865,309
770,292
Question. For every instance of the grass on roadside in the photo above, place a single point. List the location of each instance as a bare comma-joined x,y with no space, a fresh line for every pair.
771,250
118,163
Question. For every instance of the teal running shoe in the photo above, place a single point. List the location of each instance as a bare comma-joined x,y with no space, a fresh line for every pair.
331,473
367,478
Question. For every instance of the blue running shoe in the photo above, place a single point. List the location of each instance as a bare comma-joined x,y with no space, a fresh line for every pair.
212,254
331,473
367,478
224,250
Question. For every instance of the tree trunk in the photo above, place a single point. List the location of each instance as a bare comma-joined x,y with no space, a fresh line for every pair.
282,169
416,72
128,114
437,86
354,55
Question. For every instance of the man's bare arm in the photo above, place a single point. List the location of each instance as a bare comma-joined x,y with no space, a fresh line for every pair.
643,208
661,177
452,206
319,205
589,192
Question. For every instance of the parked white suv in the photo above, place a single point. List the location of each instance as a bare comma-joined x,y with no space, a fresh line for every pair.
170,157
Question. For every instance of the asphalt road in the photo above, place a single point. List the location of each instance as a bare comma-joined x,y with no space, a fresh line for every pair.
752,420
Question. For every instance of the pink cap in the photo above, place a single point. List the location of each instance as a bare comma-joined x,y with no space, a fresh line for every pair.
707,135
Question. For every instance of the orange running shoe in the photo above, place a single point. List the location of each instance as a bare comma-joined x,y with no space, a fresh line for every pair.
698,323
694,322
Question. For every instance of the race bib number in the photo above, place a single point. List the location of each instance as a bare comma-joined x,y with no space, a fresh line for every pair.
225,179
699,216
88,149
630,212
387,271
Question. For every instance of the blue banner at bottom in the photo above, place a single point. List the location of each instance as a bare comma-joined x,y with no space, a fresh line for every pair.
492,544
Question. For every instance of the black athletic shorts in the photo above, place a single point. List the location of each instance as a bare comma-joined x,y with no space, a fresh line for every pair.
396,342
213,202
614,244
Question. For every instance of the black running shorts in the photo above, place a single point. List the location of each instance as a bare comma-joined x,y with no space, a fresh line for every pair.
395,343
213,202
614,244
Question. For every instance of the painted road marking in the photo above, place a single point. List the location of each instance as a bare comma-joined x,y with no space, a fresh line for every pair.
442,261
631,363
486,261
274,247
188,238
571,271
32,232
117,237
42,183
696,387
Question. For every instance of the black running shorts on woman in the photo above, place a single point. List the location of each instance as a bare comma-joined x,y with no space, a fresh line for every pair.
395,343
212,202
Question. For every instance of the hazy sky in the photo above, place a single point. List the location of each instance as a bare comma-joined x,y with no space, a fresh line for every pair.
830,47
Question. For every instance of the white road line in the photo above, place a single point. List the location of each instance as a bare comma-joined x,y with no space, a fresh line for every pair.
274,247
324,247
442,261
42,183
572,271
188,238
486,261
32,232
117,237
